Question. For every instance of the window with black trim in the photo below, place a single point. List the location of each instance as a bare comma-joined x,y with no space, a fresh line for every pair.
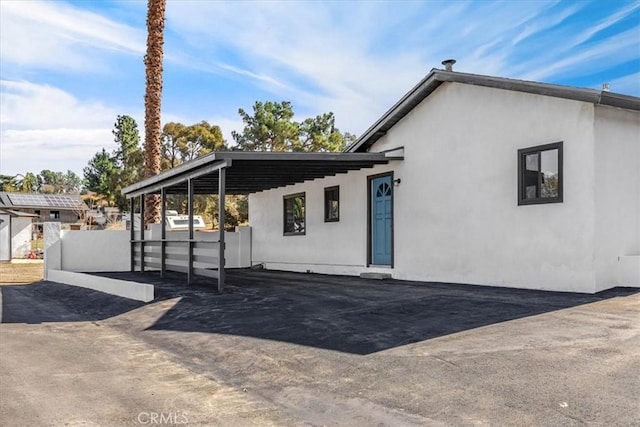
540,174
54,215
294,214
332,204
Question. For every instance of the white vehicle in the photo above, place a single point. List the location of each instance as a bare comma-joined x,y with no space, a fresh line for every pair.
175,222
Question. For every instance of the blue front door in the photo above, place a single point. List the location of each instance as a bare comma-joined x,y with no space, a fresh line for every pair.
381,220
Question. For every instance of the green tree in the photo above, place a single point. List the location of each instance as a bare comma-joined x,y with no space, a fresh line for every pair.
200,139
100,174
8,183
51,182
171,135
108,173
182,143
72,182
320,134
272,128
29,183
128,157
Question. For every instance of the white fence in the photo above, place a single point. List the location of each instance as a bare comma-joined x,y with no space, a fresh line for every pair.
109,250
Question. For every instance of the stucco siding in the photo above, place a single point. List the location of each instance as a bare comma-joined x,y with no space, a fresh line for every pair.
456,216
617,171
327,247
458,219
20,237
5,238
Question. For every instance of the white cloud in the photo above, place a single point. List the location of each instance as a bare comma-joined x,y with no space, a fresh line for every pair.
301,52
597,56
357,58
44,127
353,58
604,23
60,36
58,149
27,105
626,84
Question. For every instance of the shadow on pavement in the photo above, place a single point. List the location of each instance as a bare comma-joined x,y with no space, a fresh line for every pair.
345,314
54,302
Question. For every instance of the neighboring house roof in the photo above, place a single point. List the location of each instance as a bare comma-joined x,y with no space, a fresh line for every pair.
436,77
17,213
41,201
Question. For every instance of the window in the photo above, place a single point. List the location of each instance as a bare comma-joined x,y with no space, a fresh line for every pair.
54,215
540,174
332,204
294,214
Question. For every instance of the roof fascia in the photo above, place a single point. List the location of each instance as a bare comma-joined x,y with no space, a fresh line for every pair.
436,77
430,81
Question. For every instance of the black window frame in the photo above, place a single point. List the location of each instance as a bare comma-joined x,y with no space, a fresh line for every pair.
284,214
522,154
328,191
54,214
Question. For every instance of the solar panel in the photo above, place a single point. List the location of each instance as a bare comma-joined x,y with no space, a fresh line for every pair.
45,200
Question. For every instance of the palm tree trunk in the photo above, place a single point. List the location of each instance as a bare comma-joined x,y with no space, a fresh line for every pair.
153,101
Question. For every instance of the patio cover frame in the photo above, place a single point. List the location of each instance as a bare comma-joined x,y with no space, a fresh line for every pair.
235,172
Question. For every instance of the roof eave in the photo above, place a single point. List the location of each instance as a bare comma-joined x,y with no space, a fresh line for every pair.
427,85
436,77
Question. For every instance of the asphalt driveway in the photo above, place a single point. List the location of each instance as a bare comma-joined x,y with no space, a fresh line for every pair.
295,349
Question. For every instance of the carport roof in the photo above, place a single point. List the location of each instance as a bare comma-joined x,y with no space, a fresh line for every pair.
251,172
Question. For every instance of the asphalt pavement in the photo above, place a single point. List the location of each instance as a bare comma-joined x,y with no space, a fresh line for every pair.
294,349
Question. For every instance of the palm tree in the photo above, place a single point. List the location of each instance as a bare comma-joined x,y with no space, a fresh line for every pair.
29,183
153,101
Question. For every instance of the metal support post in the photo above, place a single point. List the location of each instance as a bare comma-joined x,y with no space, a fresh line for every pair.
221,221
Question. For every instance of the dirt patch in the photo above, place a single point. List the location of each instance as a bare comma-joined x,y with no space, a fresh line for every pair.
21,272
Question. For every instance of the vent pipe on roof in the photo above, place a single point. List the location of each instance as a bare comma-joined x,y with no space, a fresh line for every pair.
448,64
606,87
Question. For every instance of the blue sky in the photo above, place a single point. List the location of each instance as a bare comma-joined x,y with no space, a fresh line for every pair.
67,69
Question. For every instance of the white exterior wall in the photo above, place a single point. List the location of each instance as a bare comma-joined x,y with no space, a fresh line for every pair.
327,247
94,250
456,212
617,171
20,237
459,220
237,244
109,250
5,238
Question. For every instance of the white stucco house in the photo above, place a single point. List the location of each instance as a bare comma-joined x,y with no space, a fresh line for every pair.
466,179
501,183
